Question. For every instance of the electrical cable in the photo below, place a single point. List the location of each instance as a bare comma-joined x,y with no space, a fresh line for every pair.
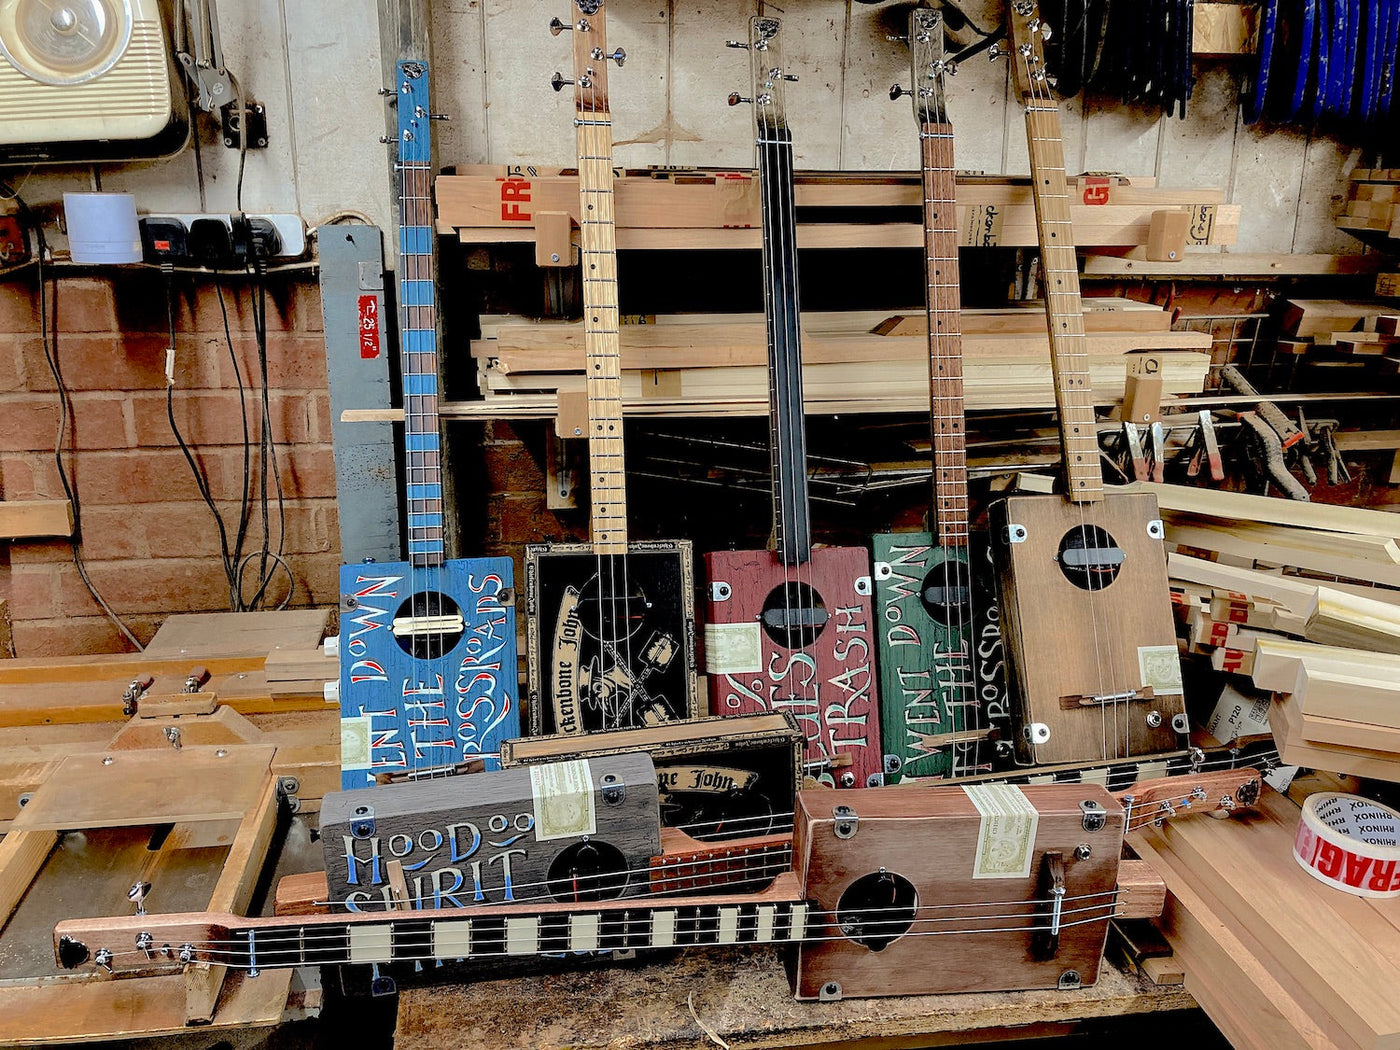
49,339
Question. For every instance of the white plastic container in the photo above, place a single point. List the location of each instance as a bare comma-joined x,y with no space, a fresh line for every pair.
102,227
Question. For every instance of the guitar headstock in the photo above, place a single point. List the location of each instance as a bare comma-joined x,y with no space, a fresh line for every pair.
768,77
1155,801
1028,33
591,58
415,142
928,64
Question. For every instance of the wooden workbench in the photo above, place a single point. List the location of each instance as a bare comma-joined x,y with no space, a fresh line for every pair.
742,997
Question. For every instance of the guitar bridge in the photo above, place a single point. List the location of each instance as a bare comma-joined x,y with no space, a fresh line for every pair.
1075,702
410,626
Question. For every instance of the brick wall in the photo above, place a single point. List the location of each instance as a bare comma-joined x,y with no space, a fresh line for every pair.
149,542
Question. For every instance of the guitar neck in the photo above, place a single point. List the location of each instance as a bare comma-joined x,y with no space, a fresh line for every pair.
787,424
418,321
950,509
1069,355
778,914
598,252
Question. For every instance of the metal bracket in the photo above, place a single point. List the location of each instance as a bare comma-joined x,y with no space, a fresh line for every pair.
1094,817
883,570
830,992
362,822
863,586
847,822
893,764
613,790
1155,529
1180,723
1069,981
1037,733
287,788
720,591
1015,533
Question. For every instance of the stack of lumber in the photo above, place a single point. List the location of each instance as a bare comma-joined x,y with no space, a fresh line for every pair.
1278,960
720,209
1372,197
1341,327
1328,652
852,361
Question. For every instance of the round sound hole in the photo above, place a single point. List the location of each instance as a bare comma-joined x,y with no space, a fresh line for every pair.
877,909
946,593
588,871
794,615
428,625
612,606
1090,557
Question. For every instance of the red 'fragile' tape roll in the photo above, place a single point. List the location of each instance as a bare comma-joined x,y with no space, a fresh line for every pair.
1350,843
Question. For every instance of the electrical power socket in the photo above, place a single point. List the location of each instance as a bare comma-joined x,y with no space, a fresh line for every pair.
290,228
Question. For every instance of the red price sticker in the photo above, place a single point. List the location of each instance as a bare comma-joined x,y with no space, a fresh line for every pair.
369,327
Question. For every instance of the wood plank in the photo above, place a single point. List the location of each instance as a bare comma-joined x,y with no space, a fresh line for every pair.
1340,732
25,519
1326,941
254,634
7,631
1240,506
22,854
169,786
293,665
81,1012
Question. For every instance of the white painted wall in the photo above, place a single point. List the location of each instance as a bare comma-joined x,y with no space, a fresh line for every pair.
668,105
314,64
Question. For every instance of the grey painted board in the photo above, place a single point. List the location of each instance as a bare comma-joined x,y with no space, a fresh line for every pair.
366,478
552,831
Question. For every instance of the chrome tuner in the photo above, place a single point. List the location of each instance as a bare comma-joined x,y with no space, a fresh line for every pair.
146,943
103,959
556,27
897,92
558,81
736,43
896,38
735,98
619,56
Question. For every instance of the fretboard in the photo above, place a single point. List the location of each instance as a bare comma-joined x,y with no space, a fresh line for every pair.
787,425
1069,356
418,322
598,253
943,304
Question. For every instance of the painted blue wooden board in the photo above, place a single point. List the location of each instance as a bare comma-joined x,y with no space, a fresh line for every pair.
455,698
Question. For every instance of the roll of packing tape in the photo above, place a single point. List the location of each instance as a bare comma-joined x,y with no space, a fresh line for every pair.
1350,843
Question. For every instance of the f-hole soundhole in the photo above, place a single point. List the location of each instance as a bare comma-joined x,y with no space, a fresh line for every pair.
794,615
946,593
612,606
877,909
1090,557
436,625
588,871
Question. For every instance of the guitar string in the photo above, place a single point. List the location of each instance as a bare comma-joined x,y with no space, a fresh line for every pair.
1159,810
239,954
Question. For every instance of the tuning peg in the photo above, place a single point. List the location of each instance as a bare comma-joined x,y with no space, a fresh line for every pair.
736,43
778,74
996,51
146,943
896,38
735,98
619,56
388,92
438,116
896,92
558,81
137,895
385,139
103,959
556,27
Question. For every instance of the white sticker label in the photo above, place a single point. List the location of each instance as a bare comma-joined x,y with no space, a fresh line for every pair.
1160,669
1237,715
564,806
1006,834
354,743
733,648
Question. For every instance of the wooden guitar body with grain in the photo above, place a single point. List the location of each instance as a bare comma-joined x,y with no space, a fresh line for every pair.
1074,645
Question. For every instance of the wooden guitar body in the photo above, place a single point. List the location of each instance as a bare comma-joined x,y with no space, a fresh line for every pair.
943,695
828,684
610,640
1078,648
922,920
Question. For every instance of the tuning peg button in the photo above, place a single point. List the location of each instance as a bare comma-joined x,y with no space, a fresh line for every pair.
896,92
619,56
735,98
736,43
556,27
558,81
